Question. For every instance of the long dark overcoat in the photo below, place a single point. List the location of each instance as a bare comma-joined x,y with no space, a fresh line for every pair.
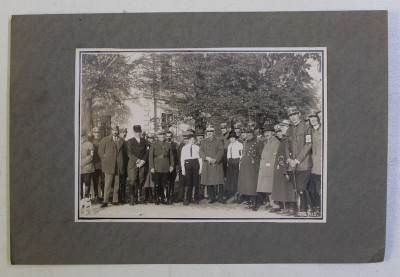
212,174
283,189
249,166
136,151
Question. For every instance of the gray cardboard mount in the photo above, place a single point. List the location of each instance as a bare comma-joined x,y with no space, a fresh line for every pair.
42,227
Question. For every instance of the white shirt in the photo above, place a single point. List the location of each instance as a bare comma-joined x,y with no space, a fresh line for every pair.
235,150
137,139
186,155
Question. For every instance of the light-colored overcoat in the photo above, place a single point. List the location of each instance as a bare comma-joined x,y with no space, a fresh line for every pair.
212,174
112,156
267,164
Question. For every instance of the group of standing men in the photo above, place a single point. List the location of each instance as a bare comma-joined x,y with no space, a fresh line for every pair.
278,166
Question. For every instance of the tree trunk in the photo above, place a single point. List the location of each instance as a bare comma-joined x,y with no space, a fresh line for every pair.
87,119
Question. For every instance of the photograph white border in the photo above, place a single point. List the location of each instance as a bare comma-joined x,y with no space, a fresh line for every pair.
323,50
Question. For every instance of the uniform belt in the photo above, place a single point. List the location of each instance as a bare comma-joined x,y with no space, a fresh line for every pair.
162,156
191,159
234,159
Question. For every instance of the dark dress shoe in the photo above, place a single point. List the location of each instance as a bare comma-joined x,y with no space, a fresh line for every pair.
115,203
103,205
255,208
212,201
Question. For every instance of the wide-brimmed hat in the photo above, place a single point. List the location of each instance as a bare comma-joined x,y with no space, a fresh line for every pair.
232,134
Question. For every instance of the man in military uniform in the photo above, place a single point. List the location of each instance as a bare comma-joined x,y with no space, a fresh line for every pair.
161,163
98,184
212,151
138,154
122,179
249,167
172,175
298,153
112,163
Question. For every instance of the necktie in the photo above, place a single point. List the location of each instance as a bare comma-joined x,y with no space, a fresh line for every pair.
191,150
231,152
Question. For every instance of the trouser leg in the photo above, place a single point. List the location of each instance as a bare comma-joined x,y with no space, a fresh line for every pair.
85,183
312,192
221,193
95,178
107,186
116,188
122,189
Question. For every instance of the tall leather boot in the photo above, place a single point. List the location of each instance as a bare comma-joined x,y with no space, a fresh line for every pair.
221,194
190,193
137,194
156,197
168,193
211,194
255,202
186,196
303,204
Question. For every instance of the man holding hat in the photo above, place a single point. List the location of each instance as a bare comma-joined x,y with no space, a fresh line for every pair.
234,154
161,163
249,167
298,154
112,163
314,186
138,154
212,151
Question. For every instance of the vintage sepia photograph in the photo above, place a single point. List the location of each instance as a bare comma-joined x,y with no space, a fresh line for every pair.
194,135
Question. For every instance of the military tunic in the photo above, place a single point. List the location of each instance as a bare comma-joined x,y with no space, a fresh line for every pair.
161,157
249,167
298,147
212,174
